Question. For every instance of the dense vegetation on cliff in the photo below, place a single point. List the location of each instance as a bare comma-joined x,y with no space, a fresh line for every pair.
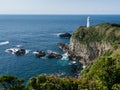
98,33
90,43
102,73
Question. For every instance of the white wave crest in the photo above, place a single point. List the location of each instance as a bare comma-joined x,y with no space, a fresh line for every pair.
35,52
11,50
73,62
65,57
57,34
27,51
49,51
18,46
4,43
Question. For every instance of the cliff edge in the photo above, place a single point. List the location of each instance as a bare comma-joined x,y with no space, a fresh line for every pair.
89,43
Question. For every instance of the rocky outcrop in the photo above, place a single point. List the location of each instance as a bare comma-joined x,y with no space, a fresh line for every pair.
54,55
65,35
20,52
39,54
16,51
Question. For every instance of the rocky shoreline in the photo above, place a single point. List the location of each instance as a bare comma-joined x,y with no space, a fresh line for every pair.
70,54
63,46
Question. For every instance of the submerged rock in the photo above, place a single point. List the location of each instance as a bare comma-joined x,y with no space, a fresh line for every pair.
65,35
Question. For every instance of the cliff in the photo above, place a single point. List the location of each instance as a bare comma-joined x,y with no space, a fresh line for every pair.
89,43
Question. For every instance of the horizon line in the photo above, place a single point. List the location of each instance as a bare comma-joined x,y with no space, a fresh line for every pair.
59,14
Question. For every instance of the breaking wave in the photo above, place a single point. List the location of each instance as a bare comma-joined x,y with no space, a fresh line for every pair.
57,34
18,46
65,56
4,43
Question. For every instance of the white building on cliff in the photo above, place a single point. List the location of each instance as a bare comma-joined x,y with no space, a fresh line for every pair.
88,22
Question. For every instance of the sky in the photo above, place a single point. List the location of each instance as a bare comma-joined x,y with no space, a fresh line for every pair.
59,6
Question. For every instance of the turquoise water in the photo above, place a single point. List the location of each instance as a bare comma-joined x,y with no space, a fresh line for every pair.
39,32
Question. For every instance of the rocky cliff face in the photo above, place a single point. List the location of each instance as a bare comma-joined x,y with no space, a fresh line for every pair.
89,51
89,43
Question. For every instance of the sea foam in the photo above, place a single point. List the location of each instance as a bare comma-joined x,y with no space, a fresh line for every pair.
4,43
65,56
57,34
18,46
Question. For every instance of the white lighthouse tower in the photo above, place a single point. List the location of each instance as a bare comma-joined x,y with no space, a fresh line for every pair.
88,22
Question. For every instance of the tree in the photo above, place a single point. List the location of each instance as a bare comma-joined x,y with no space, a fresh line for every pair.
8,82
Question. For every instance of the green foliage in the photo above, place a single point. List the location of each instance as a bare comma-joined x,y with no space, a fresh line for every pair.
116,87
102,32
43,82
105,71
9,82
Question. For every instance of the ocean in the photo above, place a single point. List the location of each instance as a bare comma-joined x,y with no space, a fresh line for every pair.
40,32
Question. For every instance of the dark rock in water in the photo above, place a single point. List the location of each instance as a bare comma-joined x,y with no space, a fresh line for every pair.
63,46
54,55
50,55
59,56
65,35
40,54
20,52
10,51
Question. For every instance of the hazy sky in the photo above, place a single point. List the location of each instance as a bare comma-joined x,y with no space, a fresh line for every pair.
59,6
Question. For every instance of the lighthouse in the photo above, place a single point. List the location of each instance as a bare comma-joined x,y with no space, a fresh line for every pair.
88,22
